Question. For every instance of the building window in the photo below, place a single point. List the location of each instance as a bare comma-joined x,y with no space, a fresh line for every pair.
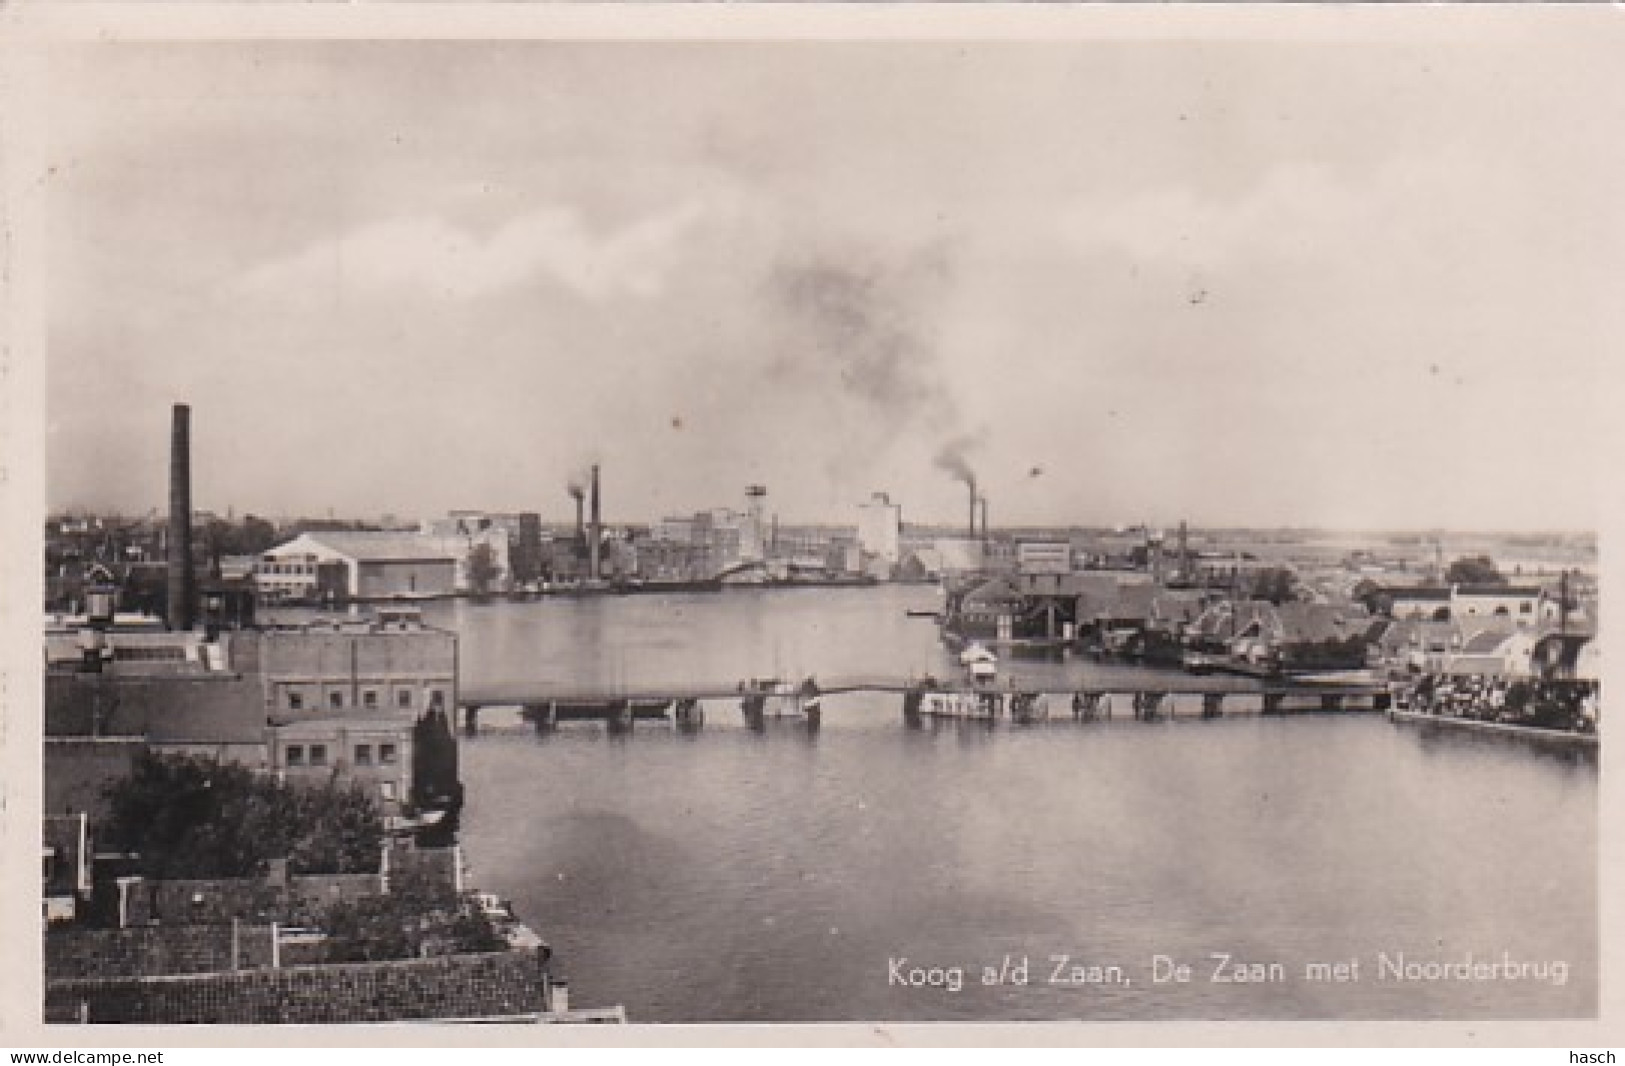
386,789
386,754
296,702
318,755
404,698
296,755
335,700
363,754
1524,608
369,699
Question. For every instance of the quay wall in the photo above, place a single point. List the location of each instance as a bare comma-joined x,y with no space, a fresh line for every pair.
1532,734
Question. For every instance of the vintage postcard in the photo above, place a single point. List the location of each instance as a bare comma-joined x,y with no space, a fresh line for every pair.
1037,517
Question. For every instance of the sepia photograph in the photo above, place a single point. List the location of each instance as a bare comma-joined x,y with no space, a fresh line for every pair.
820,529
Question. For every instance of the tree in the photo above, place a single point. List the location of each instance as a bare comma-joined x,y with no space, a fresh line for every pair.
257,536
436,785
482,569
1377,600
194,817
1277,584
412,920
1474,570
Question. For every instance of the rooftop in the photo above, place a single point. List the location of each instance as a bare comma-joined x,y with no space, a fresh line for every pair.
384,547
1497,590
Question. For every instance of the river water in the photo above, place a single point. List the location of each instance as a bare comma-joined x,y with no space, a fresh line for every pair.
972,873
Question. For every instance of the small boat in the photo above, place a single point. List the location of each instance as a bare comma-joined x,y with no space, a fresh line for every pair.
1199,662
1334,677
499,913
982,664
976,653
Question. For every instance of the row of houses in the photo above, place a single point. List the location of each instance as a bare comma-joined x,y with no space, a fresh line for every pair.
1480,648
1093,605
1130,614
313,699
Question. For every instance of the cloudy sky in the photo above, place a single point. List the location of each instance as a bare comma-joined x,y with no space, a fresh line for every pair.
1241,282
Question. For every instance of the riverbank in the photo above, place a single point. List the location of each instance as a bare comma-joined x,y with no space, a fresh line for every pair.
1533,734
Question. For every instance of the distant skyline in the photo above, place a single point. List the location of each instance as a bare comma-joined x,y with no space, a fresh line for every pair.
1249,284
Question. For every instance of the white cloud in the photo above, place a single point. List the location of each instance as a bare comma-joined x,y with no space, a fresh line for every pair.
429,253
1297,209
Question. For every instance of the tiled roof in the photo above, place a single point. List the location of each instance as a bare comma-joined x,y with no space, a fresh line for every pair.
177,710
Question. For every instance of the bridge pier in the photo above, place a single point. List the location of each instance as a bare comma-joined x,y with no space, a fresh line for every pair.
912,699
545,716
1331,702
754,708
689,715
1274,702
1212,705
471,720
619,718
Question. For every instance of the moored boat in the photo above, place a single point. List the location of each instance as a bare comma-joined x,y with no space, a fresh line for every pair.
778,698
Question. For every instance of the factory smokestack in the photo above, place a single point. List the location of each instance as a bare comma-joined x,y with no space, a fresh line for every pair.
984,519
595,532
578,495
181,581
970,483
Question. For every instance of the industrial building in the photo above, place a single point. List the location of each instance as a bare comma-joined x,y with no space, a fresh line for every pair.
374,753
375,565
388,662
880,531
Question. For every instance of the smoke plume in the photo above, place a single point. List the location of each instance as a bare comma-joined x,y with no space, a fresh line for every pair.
953,457
859,331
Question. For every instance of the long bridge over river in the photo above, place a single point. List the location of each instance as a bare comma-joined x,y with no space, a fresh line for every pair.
1214,695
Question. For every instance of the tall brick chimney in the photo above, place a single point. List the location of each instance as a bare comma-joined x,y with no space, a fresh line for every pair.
182,584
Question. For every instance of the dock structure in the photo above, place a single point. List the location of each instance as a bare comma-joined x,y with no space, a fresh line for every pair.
1152,699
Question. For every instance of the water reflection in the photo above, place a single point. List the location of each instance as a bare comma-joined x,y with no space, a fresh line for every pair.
725,872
